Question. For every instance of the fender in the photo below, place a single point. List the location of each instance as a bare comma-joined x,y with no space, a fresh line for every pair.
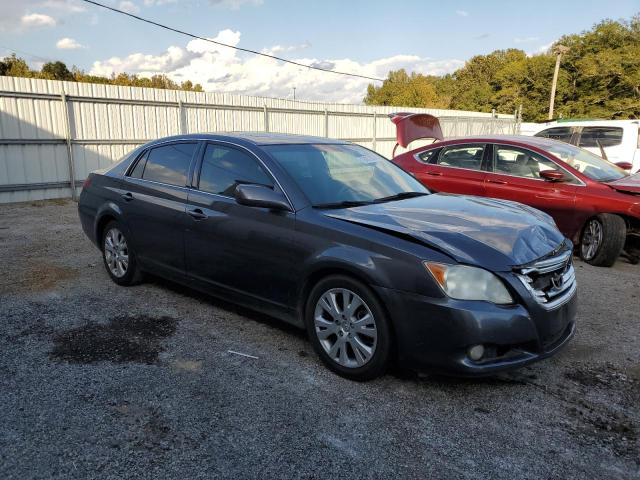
110,209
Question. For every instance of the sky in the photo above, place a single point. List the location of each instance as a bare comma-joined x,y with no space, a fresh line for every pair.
368,38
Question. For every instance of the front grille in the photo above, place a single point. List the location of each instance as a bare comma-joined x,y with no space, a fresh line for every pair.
551,281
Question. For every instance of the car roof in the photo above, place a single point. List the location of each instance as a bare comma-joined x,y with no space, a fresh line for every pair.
525,139
587,123
254,138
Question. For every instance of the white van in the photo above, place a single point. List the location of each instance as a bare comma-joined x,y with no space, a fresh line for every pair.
620,139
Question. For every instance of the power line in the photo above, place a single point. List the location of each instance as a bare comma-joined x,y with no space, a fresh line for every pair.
255,52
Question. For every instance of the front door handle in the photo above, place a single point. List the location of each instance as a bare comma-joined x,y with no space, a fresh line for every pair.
197,214
434,174
127,197
499,182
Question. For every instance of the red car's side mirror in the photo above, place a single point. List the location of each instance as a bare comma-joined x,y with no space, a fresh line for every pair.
624,165
553,175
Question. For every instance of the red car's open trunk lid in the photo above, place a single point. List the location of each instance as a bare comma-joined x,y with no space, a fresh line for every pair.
627,184
415,126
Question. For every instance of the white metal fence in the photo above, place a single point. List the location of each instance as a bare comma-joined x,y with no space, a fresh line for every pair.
52,134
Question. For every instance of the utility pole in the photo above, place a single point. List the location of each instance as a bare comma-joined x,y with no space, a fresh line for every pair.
559,50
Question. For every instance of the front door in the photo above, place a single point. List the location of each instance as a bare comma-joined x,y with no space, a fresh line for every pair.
246,249
515,176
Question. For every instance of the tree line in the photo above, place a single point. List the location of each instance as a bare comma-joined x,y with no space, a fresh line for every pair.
14,66
599,78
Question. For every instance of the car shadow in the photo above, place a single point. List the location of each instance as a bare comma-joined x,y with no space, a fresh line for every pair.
216,302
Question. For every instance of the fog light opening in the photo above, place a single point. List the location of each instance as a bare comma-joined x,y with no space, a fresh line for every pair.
476,352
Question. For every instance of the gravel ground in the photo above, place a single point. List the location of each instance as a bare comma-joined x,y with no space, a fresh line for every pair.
100,381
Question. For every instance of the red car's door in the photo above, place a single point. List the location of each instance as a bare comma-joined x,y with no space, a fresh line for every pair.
453,169
515,175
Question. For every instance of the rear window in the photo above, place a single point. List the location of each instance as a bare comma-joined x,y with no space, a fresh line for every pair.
600,136
169,163
557,133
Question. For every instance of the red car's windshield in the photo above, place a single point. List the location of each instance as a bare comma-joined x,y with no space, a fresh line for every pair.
586,162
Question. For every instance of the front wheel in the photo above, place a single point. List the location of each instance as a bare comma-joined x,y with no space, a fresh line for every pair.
349,328
603,239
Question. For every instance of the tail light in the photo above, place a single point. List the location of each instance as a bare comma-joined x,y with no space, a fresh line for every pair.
86,183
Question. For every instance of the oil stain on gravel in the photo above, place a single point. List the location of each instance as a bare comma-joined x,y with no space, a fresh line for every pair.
123,339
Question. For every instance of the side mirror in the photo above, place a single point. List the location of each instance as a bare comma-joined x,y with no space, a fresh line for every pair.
624,165
553,175
260,196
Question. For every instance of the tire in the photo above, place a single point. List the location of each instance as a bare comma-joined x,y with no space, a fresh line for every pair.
118,256
353,349
603,239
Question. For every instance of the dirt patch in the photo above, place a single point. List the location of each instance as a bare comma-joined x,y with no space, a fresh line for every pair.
123,339
37,277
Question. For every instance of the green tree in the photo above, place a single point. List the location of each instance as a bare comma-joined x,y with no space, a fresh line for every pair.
13,66
55,71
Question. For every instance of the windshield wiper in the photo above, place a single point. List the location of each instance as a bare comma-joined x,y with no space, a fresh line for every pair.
400,196
343,204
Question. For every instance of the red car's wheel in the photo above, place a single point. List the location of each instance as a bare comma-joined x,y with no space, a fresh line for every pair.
603,239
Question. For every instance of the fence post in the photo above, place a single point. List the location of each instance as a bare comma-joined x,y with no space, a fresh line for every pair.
375,126
181,119
72,166
266,118
326,122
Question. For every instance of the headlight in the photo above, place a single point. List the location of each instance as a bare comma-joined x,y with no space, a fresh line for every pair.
469,283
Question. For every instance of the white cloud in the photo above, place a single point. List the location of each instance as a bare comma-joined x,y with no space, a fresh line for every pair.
462,13
68,44
18,15
32,20
526,39
223,69
129,7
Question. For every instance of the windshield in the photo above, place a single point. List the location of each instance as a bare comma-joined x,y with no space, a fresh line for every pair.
586,162
342,174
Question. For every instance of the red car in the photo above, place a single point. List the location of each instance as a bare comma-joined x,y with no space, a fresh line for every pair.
595,203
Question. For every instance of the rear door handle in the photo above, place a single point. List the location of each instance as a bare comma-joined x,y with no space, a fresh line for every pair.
197,214
499,182
127,197
434,174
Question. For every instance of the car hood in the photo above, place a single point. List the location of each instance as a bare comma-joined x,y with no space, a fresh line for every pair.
627,184
494,234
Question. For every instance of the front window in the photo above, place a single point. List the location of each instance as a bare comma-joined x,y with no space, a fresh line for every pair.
340,174
520,162
586,162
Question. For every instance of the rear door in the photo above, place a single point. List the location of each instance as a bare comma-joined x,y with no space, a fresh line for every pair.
454,169
246,249
154,202
515,175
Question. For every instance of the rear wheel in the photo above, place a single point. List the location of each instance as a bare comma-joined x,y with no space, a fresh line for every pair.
348,328
119,259
603,239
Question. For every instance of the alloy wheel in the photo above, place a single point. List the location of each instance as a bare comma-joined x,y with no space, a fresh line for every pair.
116,252
591,240
345,327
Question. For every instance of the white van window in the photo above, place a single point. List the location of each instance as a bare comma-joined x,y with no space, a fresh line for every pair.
604,136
